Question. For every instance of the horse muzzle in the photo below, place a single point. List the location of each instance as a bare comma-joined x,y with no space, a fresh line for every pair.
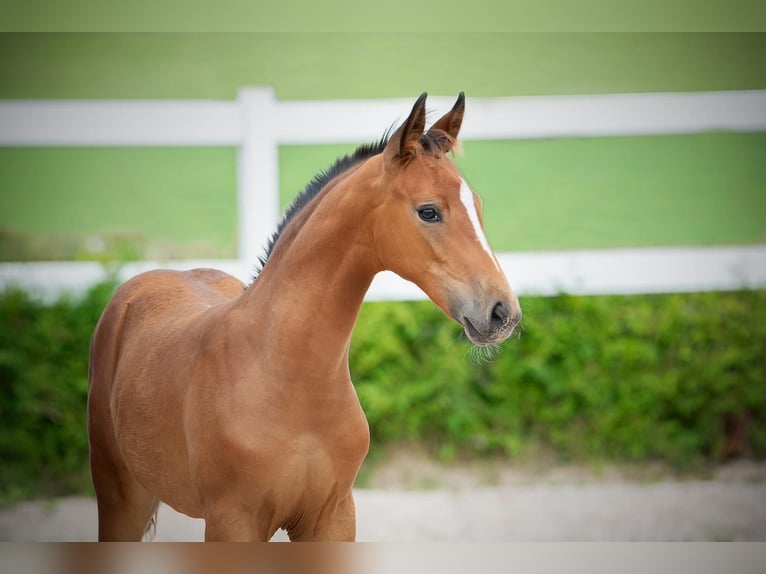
488,324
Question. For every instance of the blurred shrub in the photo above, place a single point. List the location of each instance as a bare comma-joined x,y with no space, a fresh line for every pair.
677,378
43,392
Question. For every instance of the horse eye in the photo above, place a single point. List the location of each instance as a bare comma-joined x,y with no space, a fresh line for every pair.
429,213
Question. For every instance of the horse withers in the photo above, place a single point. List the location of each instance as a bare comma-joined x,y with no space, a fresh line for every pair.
234,403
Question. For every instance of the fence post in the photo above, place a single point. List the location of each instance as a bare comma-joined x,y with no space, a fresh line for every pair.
257,173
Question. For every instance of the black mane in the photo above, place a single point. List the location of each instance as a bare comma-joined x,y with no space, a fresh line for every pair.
431,143
341,165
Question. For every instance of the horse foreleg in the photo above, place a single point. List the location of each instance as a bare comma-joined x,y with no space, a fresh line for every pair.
334,524
234,522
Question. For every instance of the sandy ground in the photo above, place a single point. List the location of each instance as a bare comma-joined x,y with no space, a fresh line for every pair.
489,505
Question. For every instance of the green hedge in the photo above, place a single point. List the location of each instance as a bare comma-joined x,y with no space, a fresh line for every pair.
43,392
672,378
675,378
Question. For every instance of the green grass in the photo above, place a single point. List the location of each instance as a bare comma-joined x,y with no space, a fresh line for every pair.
549,194
163,202
568,193
374,65
612,192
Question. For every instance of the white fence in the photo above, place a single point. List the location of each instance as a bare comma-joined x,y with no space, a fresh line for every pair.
257,123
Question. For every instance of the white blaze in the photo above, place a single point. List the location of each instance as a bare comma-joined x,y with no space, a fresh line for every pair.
466,198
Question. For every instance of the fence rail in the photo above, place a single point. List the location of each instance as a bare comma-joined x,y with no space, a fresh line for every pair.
210,123
257,123
600,272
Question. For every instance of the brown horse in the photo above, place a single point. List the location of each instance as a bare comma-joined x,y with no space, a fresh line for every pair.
234,403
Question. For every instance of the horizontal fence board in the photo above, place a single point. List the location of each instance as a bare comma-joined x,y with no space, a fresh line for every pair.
120,123
634,271
601,272
257,124
532,117
196,123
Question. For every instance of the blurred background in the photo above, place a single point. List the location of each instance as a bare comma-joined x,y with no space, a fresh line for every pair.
652,385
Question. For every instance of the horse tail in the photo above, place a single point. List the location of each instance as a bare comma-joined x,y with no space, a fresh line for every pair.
151,527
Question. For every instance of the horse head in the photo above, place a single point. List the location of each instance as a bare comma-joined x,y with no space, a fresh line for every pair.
431,232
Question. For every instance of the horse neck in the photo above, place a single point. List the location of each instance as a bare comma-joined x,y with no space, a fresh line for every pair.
309,294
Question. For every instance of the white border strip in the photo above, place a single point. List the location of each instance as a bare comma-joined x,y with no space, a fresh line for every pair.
602,272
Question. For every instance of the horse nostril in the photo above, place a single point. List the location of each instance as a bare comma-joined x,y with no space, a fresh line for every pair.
499,316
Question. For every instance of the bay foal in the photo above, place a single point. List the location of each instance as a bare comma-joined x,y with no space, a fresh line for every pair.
234,403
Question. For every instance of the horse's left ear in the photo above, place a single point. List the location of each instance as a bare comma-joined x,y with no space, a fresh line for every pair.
450,122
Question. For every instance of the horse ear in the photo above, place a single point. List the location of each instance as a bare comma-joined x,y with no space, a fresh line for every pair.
405,141
450,122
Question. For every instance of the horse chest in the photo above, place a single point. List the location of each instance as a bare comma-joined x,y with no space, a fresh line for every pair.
304,456
287,450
